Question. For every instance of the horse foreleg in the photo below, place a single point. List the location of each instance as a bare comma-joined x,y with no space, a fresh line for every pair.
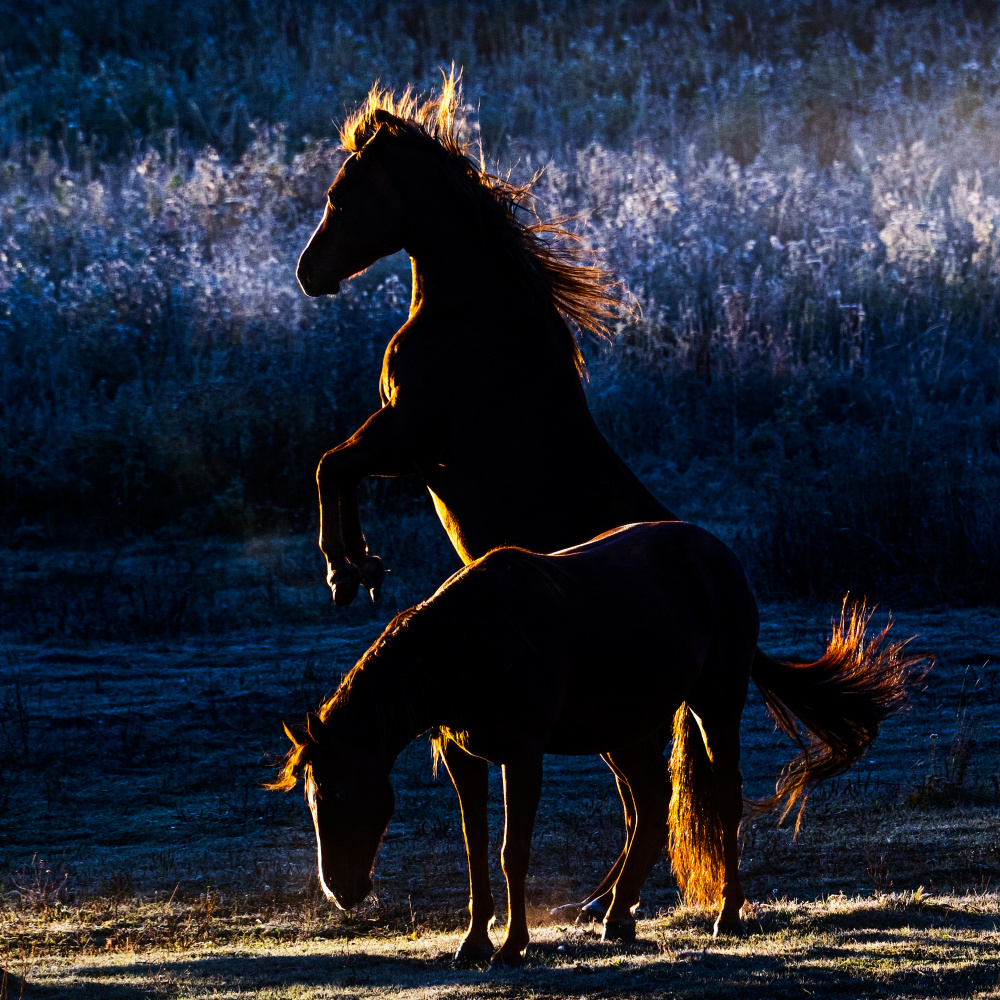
522,786
644,770
342,576
470,776
376,449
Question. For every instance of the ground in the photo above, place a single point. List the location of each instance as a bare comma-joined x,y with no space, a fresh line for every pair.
141,856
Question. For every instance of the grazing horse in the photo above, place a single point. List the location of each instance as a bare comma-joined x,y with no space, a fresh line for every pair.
481,388
514,658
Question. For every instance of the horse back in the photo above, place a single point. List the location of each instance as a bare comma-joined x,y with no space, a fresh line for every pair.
657,604
608,638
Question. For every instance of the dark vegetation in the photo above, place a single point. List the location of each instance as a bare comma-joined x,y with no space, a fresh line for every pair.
803,197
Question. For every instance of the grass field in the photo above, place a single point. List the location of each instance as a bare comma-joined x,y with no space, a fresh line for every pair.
894,946
142,855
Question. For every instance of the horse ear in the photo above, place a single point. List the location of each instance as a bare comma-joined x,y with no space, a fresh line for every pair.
383,117
298,736
314,726
382,133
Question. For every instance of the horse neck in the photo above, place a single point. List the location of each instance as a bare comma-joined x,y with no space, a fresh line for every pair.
449,273
455,264
483,291
393,698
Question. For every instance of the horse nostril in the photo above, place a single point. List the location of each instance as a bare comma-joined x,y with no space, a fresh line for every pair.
304,279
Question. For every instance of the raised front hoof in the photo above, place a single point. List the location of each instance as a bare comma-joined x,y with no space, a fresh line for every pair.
567,911
473,953
729,928
373,576
619,931
345,584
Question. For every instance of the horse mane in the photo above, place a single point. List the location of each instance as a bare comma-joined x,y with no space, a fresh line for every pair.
475,594
551,256
298,757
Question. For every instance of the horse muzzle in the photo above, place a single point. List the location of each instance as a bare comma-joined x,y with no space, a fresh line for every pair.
347,896
312,285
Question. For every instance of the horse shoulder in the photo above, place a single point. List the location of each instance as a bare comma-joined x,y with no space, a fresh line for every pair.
417,355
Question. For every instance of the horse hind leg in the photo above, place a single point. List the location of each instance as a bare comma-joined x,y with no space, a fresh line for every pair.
595,906
643,769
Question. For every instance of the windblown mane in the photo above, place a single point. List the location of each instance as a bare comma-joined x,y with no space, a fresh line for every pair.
552,257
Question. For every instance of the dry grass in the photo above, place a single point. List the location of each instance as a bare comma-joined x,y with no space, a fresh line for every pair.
897,944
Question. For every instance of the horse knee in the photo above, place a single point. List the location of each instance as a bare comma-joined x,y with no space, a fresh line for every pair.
513,863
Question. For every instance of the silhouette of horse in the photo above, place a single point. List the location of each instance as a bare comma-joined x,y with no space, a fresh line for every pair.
481,387
514,658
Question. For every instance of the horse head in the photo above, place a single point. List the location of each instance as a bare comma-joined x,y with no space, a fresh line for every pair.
351,801
362,219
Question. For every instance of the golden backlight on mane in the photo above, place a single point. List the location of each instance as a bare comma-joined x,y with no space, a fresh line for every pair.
586,294
440,117
298,757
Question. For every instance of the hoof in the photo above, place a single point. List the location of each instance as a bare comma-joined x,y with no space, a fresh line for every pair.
473,953
619,931
595,911
511,960
567,910
345,584
729,928
373,576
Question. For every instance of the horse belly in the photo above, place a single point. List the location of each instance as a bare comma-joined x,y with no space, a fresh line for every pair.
539,495
611,727
632,661
452,528
621,708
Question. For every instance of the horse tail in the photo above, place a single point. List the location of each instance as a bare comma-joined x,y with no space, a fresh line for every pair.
840,700
695,819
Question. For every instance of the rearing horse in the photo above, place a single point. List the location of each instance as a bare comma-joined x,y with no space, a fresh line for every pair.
481,388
